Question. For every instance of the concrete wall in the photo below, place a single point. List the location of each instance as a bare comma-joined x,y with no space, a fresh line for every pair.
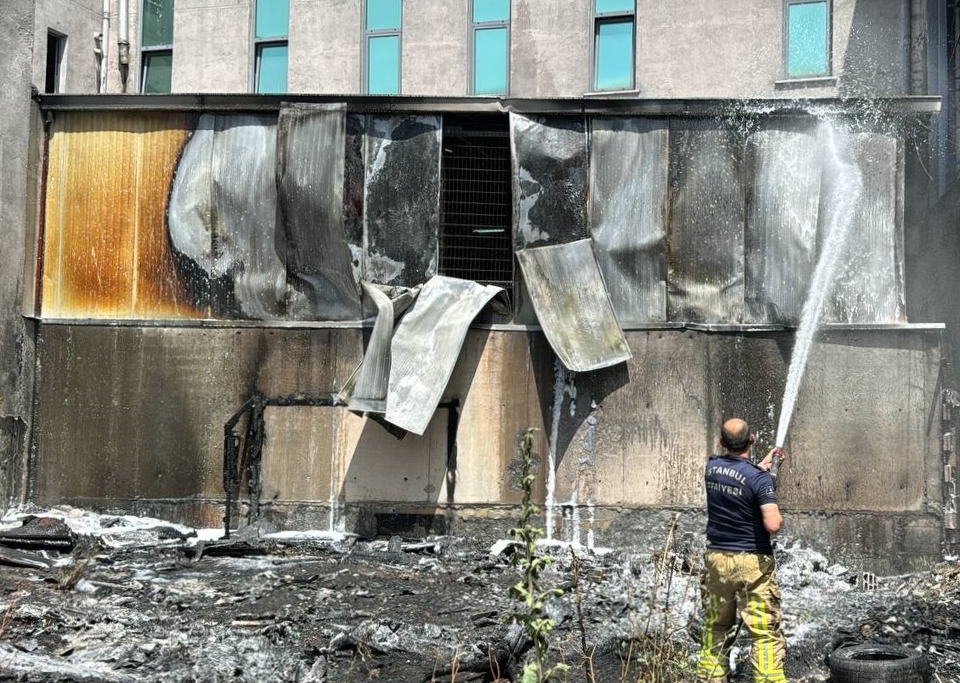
326,39
434,60
78,20
550,49
213,46
631,440
19,162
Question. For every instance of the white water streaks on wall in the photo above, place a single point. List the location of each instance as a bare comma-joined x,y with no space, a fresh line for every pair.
843,192
563,385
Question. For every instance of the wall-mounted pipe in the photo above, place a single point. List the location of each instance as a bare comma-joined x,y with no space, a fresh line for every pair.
104,49
123,42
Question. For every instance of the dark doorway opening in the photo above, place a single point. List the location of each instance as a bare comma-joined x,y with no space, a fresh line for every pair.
476,218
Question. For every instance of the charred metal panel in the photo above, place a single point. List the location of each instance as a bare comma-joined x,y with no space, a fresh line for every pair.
628,201
869,289
549,180
426,345
366,391
223,213
353,175
568,294
311,140
401,207
783,170
705,233
105,251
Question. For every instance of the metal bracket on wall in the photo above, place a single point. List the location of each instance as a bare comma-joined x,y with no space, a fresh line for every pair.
243,456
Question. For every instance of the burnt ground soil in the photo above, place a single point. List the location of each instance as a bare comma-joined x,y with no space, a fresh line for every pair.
154,607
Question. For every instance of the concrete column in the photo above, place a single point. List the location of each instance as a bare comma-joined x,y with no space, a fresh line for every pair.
17,204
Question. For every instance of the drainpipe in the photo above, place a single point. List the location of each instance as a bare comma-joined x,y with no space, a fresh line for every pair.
104,49
123,43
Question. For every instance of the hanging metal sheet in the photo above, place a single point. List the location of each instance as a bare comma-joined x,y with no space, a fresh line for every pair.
572,304
628,200
353,191
549,180
869,285
426,346
783,196
705,233
311,141
401,206
366,389
223,212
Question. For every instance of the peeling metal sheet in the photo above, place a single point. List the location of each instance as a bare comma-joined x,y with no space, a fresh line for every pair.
311,140
366,390
401,206
705,233
426,346
783,168
869,289
549,180
222,213
573,306
628,200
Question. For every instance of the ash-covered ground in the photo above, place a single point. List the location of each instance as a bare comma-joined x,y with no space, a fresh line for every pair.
144,600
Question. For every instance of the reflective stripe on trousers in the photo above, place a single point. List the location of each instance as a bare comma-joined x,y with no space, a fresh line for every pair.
747,583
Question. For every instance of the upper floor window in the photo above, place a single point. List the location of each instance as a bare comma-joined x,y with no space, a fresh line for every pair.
53,77
807,49
491,47
613,51
156,46
383,23
272,26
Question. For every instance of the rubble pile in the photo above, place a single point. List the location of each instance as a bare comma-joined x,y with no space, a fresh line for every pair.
103,598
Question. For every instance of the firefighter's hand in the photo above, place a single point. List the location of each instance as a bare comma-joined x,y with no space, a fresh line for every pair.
767,463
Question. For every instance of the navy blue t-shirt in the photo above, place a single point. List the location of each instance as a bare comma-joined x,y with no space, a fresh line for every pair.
736,488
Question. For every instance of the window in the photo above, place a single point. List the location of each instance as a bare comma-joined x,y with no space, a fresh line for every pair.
272,26
476,201
807,48
56,46
491,47
156,46
383,22
613,52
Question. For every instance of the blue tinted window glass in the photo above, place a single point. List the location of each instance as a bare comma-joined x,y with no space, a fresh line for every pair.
490,62
272,72
383,66
273,18
491,10
603,6
807,40
157,72
384,15
157,23
615,55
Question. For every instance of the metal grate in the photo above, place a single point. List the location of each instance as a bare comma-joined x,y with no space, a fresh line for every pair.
475,200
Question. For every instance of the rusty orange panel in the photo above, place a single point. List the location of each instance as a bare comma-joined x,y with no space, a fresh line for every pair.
105,247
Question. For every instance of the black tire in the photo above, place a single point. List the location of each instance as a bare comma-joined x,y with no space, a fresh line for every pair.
877,663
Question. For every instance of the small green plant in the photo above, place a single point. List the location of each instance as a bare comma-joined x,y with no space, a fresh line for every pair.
533,617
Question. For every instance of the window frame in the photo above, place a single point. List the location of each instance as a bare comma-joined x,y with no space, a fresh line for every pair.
154,49
598,19
267,41
365,51
475,27
60,56
787,4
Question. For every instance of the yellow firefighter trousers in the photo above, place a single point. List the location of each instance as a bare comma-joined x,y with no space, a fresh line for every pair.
744,582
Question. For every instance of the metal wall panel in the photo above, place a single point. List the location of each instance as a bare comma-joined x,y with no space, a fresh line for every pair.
628,201
401,209
869,282
311,140
353,177
105,249
783,171
705,231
